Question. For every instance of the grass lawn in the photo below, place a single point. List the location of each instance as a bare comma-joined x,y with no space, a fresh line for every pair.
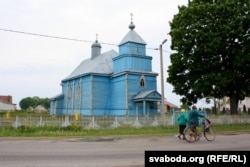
73,131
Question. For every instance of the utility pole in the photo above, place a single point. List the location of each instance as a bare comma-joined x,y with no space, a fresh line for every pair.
162,80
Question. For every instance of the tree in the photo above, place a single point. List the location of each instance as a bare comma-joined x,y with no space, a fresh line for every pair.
185,106
45,102
244,109
211,40
27,102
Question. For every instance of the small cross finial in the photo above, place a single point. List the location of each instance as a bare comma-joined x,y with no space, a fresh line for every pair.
131,14
96,35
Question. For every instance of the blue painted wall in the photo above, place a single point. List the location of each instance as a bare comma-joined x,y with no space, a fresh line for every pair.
86,95
132,63
132,48
134,87
100,95
118,95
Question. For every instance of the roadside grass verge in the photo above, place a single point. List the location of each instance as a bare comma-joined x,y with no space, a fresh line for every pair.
74,131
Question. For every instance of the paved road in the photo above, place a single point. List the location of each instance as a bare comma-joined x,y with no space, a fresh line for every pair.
103,152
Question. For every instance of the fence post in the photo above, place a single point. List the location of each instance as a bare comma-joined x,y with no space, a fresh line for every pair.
16,124
116,124
93,121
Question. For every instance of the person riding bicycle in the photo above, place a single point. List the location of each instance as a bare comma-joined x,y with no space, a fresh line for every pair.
193,118
192,133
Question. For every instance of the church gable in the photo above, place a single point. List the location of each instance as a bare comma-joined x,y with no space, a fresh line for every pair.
147,95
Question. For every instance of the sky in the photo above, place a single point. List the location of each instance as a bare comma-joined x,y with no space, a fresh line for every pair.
33,65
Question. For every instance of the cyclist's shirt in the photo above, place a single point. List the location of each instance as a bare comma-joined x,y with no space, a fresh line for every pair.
193,117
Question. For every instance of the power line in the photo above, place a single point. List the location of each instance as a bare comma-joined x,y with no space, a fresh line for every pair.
48,36
64,38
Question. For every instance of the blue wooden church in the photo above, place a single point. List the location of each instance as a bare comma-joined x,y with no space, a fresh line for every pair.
111,83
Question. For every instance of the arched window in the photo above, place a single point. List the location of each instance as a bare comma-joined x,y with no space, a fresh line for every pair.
69,92
142,81
77,92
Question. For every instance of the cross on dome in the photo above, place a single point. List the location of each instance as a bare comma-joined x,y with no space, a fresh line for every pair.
131,14
96,37
131,26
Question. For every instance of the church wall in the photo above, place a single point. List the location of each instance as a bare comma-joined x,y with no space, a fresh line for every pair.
132,48
76,95
134,87
86,95
118,89
56,106
139,63
68,98
126,106
132,63
101,95
60,106
151,83
119,64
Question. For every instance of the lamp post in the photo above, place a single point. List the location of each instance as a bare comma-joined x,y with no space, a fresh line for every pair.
162,80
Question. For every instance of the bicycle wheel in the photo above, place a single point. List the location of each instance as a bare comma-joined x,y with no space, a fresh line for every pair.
209,134
189,135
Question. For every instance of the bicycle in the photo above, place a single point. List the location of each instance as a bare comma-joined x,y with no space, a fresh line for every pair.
192,133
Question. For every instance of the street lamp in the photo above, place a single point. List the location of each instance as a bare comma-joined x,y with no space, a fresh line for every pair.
162,81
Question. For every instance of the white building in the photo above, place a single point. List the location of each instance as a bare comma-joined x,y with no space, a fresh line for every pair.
225,103
4,106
